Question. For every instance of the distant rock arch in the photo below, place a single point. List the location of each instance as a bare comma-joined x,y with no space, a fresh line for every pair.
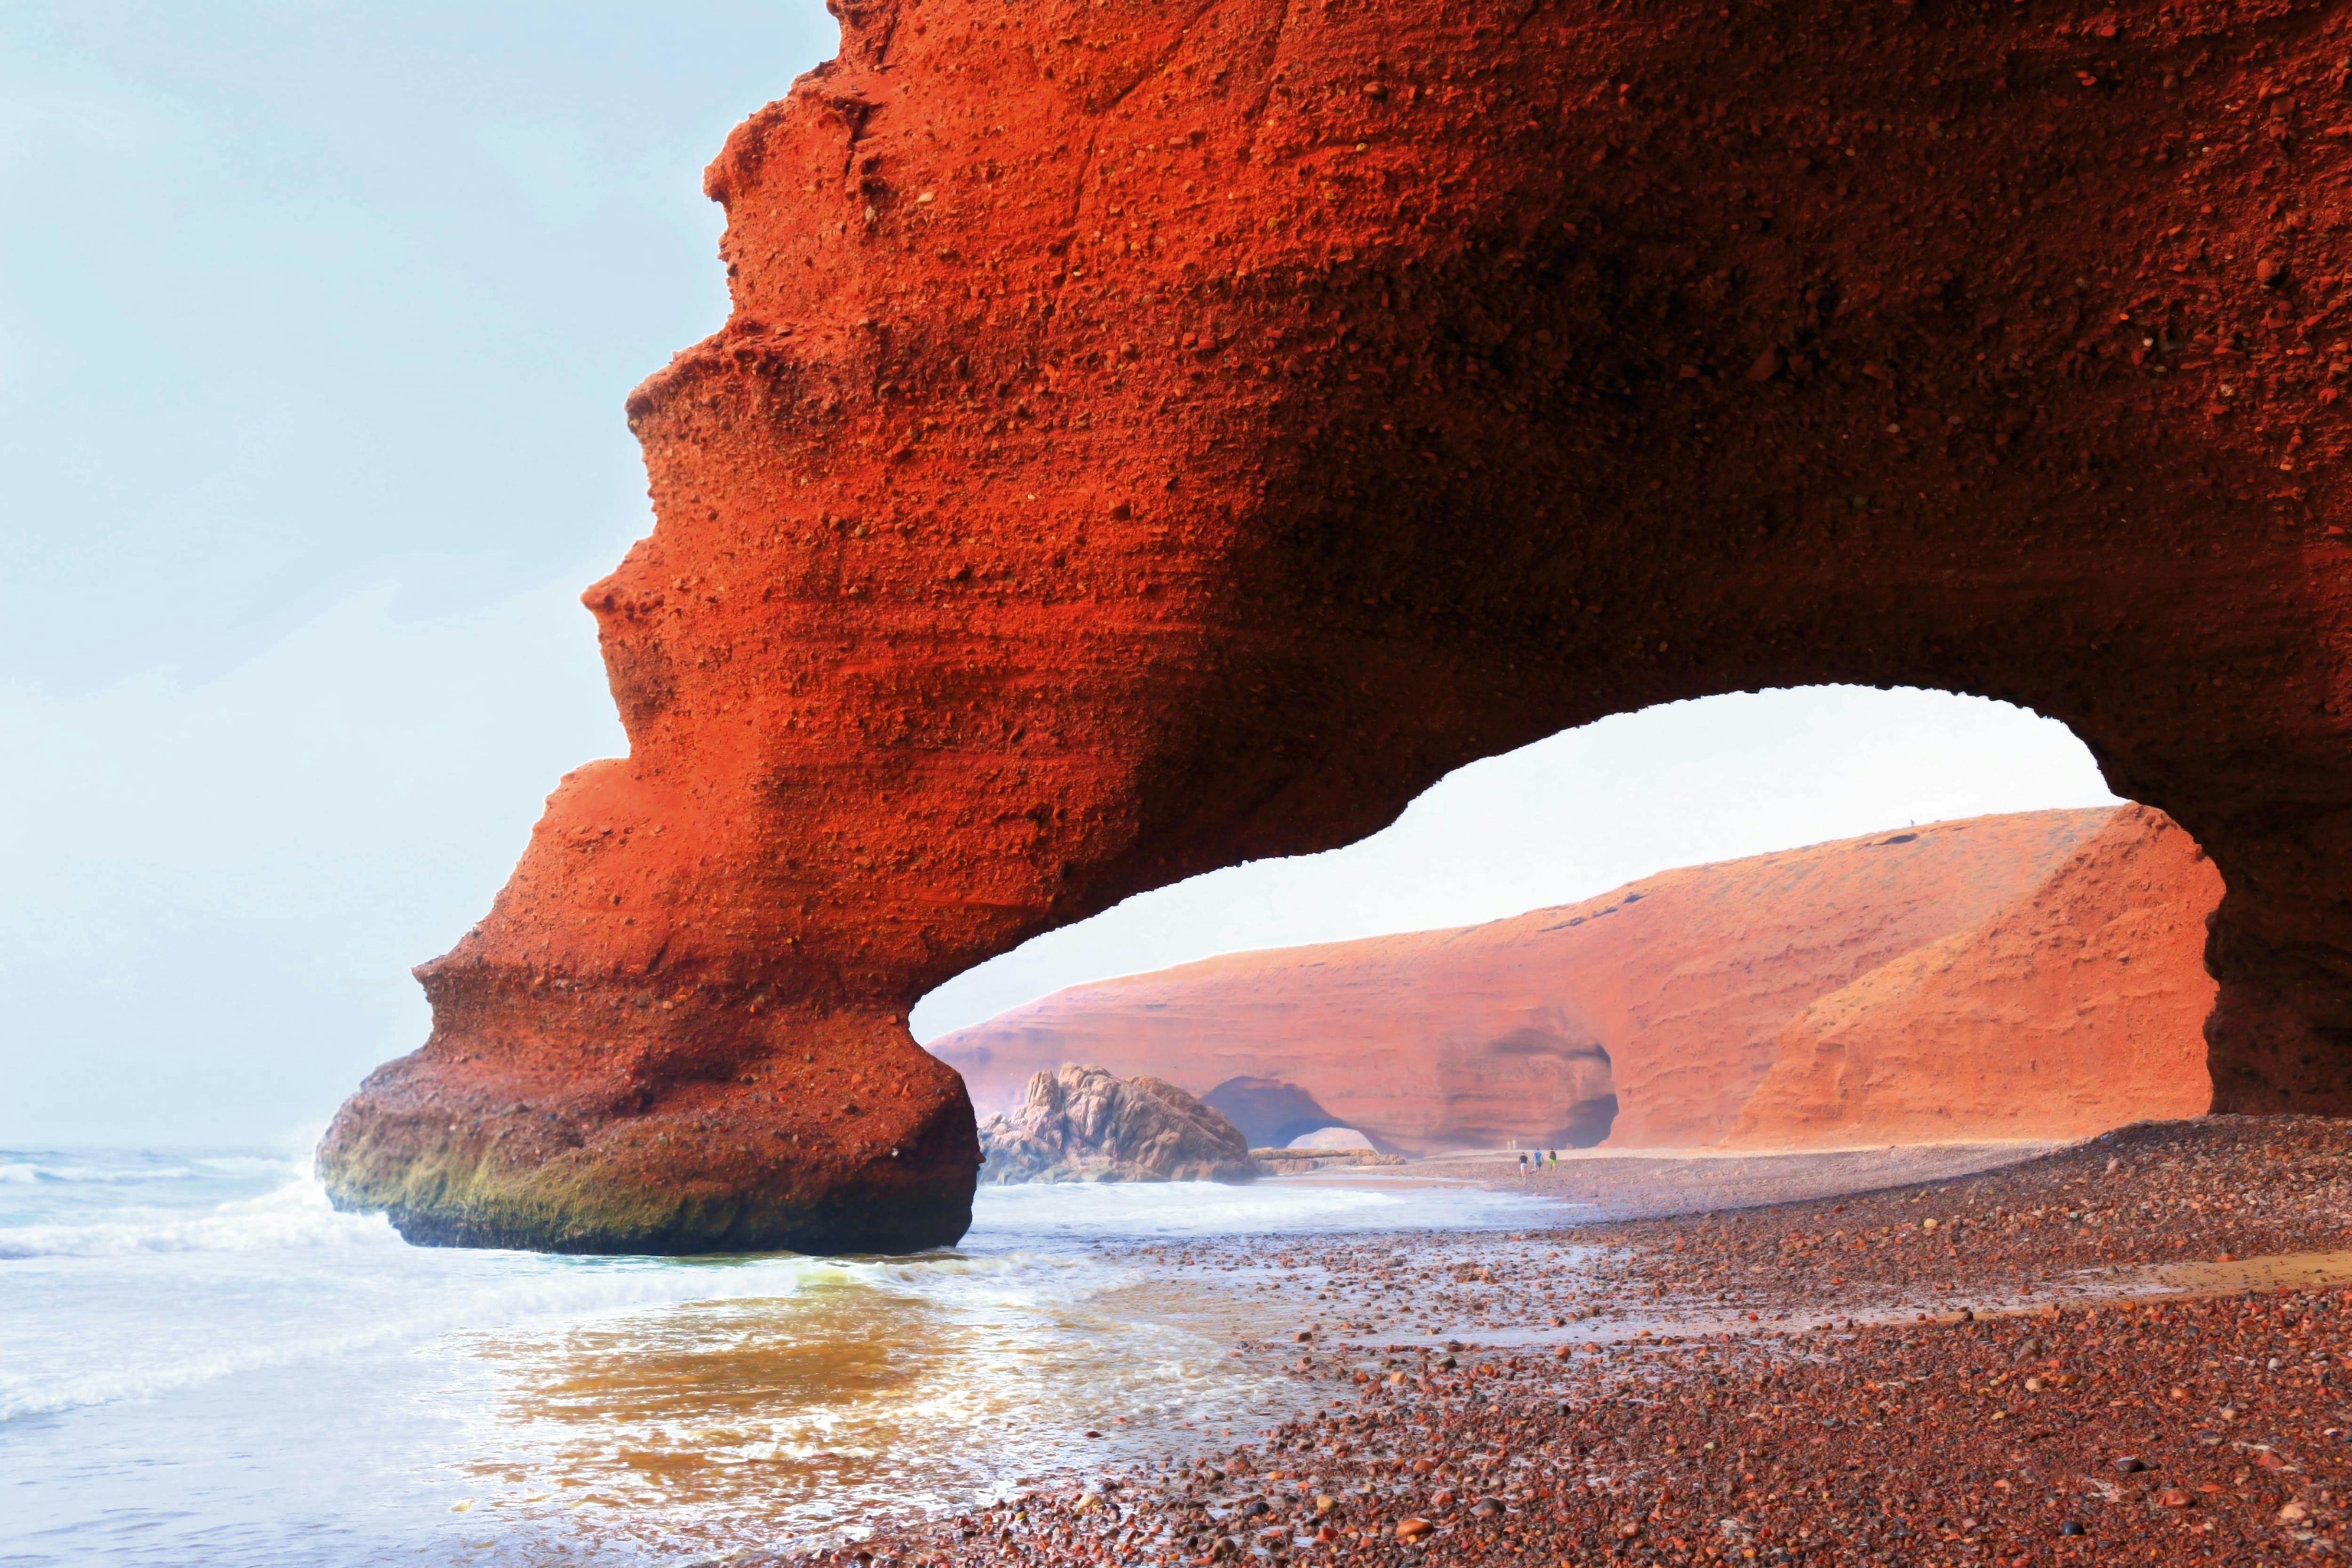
1149,437
1270,1111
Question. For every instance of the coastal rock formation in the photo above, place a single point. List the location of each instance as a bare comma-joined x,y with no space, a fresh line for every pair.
1648,1015
2076,1009
1083,1124
1270,1111
1343,1139
1147,437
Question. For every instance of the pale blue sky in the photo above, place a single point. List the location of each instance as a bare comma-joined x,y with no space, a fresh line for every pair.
315,325
315,322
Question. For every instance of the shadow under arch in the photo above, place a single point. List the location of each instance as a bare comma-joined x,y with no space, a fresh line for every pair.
1112,472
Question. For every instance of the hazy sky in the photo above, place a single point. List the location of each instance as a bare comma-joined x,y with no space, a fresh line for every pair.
315,324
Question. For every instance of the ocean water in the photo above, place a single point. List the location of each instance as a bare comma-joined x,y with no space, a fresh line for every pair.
201,1363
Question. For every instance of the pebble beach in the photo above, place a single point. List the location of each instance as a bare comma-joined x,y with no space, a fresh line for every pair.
2134,1349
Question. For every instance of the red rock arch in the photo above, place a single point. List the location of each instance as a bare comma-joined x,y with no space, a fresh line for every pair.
1148,435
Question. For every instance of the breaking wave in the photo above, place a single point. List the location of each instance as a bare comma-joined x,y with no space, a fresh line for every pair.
23,1168
295,1214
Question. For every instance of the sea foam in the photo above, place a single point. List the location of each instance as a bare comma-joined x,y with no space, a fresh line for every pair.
295,1214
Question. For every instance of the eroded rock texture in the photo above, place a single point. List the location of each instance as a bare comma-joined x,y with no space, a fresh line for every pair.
1659,1014
1149,435
1083,1124
2073,1009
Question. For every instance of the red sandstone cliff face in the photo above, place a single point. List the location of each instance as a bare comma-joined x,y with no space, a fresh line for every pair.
2076,1009
1665,1003
1149,437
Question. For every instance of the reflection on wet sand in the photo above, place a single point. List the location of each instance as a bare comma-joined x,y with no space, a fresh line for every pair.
876,1390
1103,1336
217,1368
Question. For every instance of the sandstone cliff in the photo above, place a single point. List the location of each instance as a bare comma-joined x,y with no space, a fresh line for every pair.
1650,1014
1145,438
1084,1124
2078,1007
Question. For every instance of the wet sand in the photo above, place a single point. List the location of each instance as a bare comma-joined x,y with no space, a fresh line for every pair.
2134,1349
1651,1183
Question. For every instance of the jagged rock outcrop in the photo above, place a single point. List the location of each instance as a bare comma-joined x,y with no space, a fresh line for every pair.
1648,1015
1147,437
1085,1125
2078,1007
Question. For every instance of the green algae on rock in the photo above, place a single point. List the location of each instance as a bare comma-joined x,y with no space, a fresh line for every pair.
543,1164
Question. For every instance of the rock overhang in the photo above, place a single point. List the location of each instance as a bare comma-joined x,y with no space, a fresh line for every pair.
1148,440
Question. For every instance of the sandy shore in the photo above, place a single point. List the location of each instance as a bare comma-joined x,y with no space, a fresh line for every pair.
1652,1183
2129,1350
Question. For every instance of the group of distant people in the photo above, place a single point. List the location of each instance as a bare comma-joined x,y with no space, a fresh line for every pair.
1539,1156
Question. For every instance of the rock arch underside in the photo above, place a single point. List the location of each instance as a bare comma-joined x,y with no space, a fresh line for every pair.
1150,433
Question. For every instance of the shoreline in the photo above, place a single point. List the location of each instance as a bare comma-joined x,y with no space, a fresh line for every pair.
1647,1182
2137,1345
1664,1182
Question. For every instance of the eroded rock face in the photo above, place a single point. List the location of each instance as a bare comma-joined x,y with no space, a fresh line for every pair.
1147,437
1270,1111
2076,1009
1084,1124
1648,1017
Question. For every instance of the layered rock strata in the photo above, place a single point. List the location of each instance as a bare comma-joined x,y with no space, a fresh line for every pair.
1082,1123
2078,1007
1146,437
1650,1015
